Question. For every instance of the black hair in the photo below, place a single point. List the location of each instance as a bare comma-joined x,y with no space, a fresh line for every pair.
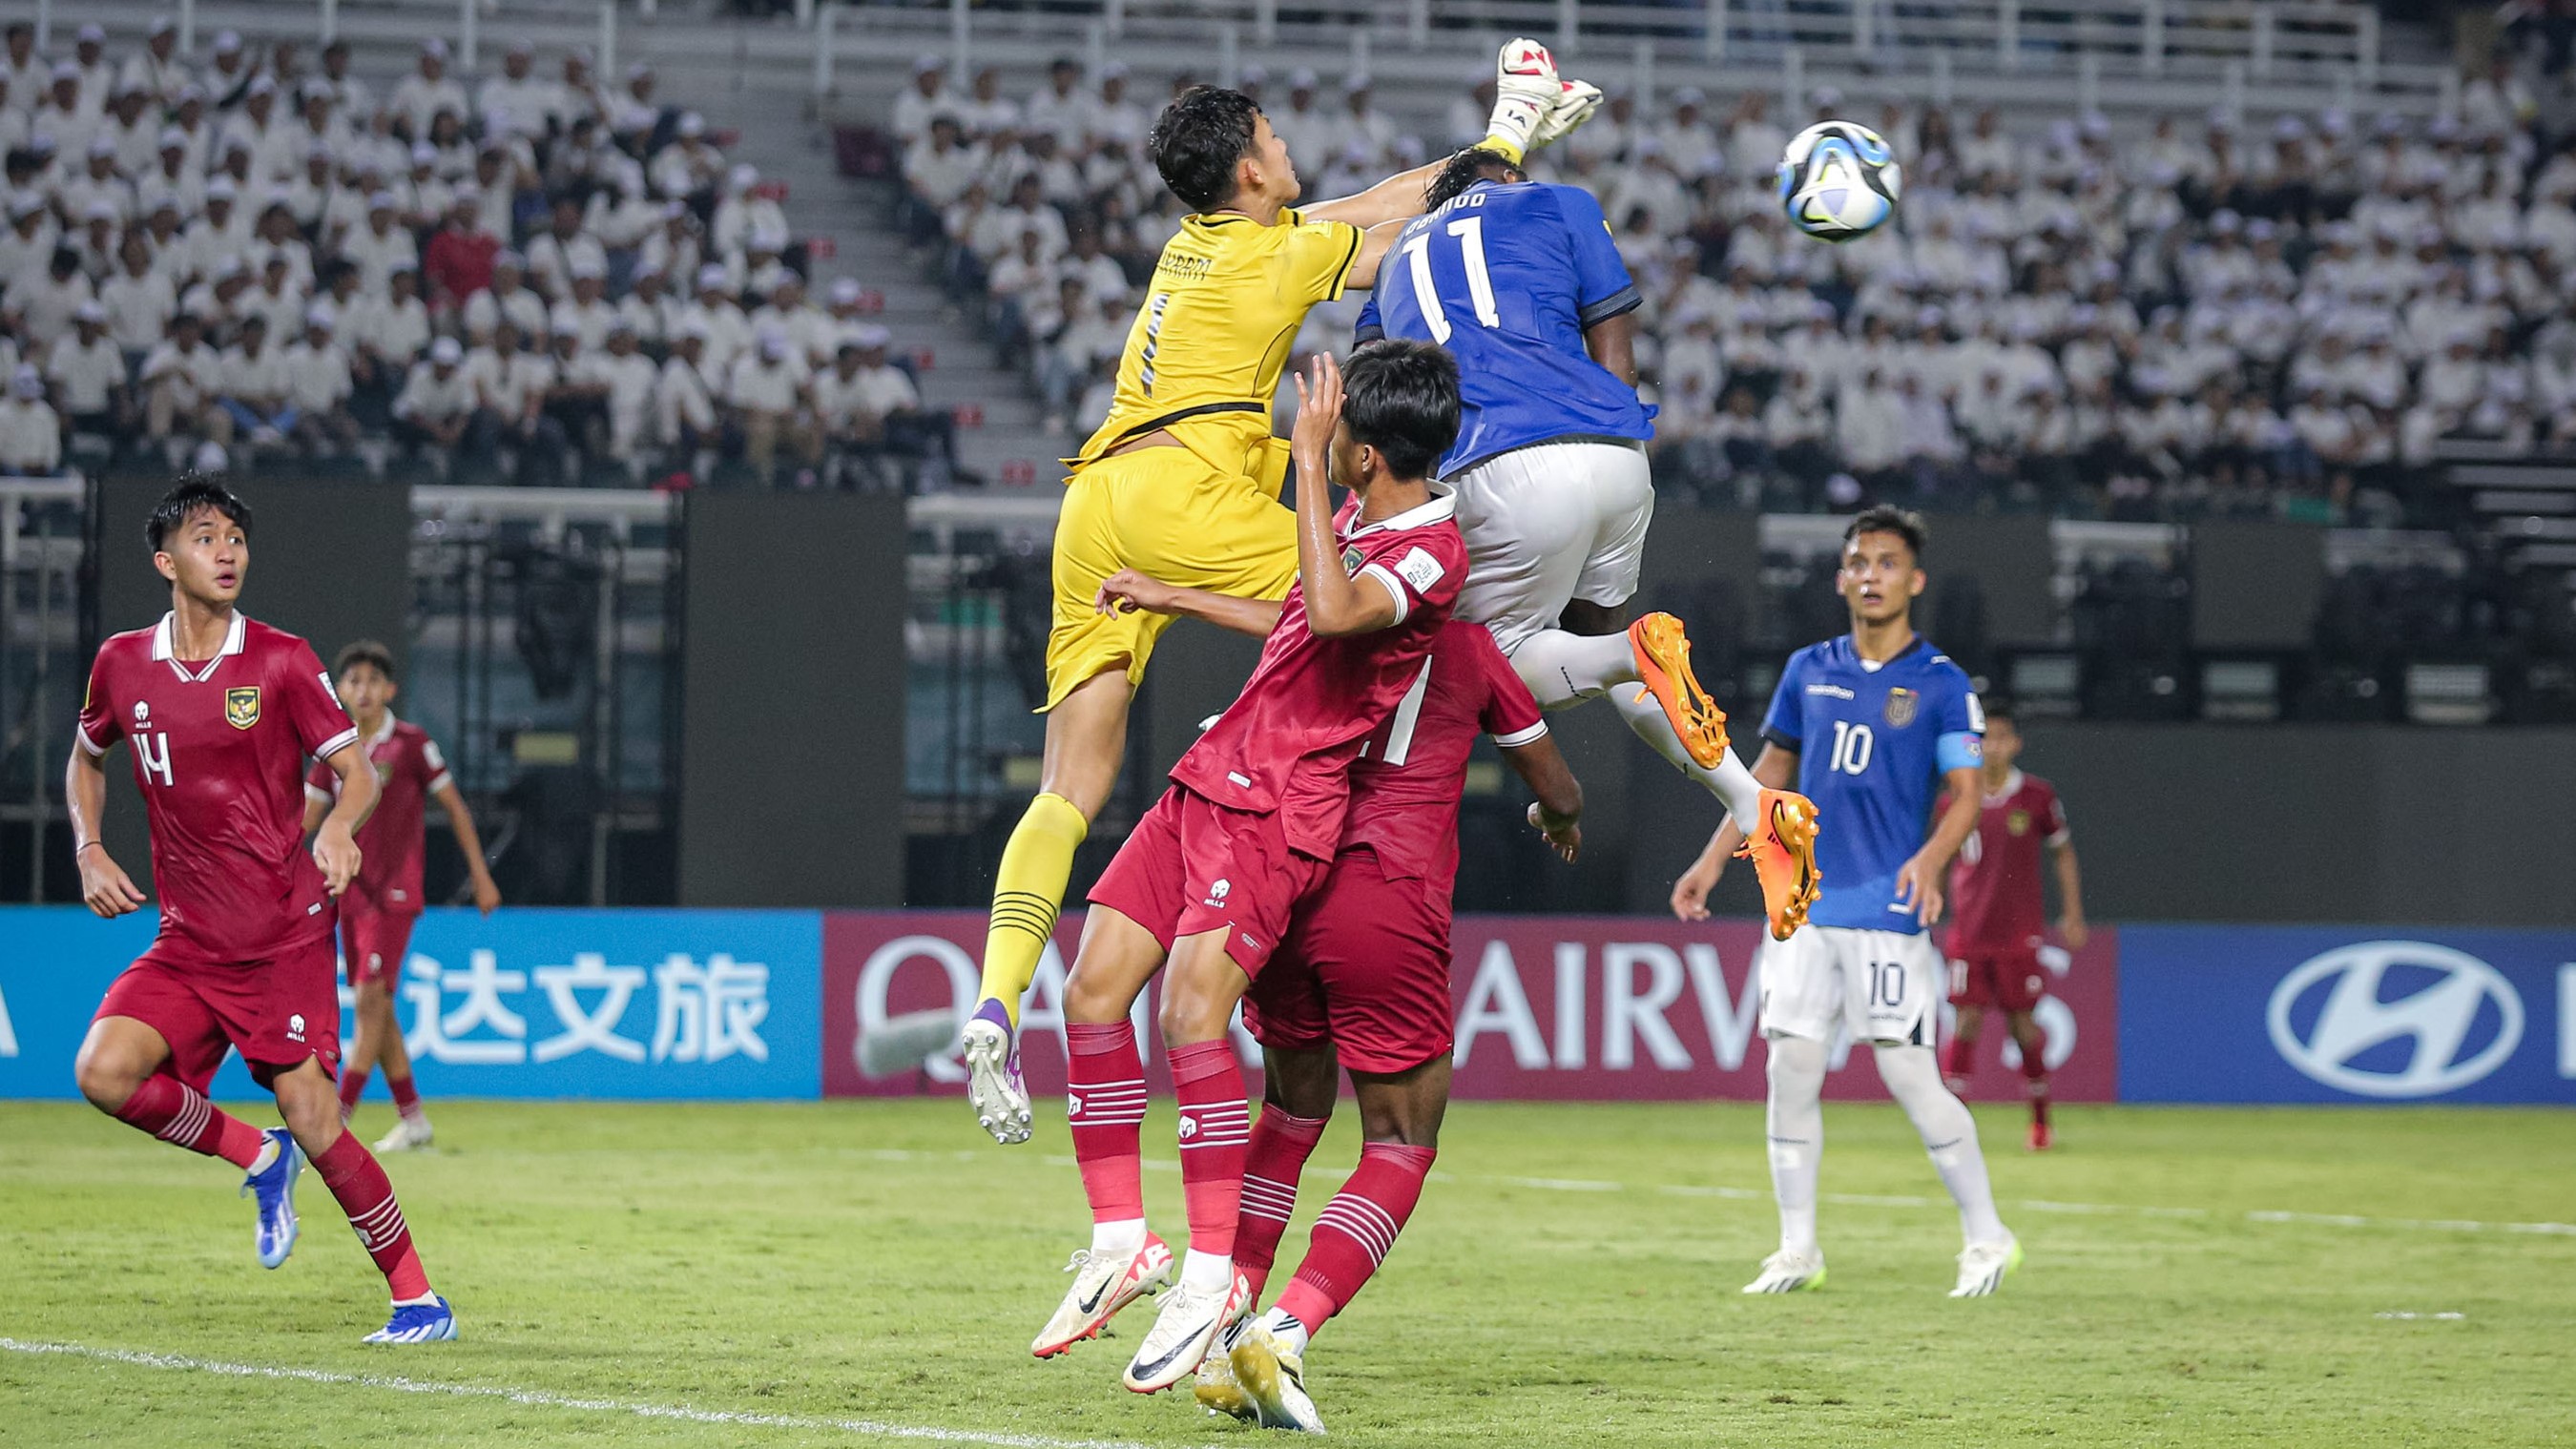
1401,398
1197,140
1998,706
192,492
1905,523
1476,163
363,651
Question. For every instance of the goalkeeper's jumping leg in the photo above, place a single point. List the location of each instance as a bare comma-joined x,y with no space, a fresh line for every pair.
1086,736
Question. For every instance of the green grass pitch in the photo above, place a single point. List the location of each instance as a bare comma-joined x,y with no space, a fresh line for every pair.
809,1271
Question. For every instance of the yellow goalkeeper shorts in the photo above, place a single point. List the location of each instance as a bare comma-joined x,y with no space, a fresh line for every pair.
1167,514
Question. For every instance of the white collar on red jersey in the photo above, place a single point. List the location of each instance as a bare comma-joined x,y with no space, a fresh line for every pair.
165,647
383,732
2012,787
1442,507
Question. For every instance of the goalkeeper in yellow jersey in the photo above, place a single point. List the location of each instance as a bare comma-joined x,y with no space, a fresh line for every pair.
1182,482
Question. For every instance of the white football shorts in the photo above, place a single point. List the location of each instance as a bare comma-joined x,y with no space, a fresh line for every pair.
1549,524
1884,986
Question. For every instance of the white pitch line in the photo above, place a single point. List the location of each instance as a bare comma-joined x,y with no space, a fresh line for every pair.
540,1398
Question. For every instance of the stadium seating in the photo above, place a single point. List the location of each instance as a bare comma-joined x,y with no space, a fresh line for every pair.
265,254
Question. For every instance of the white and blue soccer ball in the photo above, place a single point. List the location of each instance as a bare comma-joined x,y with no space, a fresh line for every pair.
1838,181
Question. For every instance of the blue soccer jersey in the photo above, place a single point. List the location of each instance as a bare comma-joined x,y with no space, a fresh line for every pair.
1507,277
1873,744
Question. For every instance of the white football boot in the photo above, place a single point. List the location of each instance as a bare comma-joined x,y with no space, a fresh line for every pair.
1982,1267
1102,1285
1183,1332
1787,1272
409,1132
993,1085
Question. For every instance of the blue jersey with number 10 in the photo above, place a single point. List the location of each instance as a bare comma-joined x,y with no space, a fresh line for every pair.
1873,744
1507,277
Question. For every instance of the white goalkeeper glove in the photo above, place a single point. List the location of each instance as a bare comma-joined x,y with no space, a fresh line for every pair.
1525,87
1572,107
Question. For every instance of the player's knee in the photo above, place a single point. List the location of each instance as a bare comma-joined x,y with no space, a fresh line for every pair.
313,1118
1193,1013
106,1077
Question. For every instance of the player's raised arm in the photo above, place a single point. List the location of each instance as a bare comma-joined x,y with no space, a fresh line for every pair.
1337,603
1776,769
1127,591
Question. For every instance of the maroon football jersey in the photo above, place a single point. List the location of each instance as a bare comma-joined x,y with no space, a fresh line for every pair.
1287,742
409,769
219,751
1406,784
1995,898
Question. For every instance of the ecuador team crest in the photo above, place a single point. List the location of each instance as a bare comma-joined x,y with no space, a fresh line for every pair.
241,706
1901,707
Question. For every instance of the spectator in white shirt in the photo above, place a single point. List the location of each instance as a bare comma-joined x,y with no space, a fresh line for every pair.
139,300
437,406
181,380
626,381
928,97
1060,105
744,211
649,309
560,248
255,386
31,439
527,100
428,90
46,303
508,299
319,384
690,164
586,315
726,331
766,388
157,68
869,409
88,374
684,403
510,386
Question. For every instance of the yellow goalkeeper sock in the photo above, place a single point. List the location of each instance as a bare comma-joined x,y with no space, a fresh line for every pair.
1027,892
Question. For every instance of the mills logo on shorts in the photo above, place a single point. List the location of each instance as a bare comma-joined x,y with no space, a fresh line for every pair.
241,706
1901,707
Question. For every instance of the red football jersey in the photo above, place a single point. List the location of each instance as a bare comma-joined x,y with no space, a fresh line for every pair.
1995,898
219,751
1286,743
1410,774
409,769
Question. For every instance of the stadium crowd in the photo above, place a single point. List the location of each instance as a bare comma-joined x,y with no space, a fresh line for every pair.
2205,317
546,279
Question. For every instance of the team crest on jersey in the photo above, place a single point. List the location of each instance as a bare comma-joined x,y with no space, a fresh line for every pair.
241,706
1901,707
1350,559
2018,822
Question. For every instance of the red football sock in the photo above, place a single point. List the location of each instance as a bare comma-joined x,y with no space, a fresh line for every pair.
2034,1070
1281,1143
1105,1108
173,1111
1356,1231
367,1196
1959,1058
353,1085
406,1099
1216,1122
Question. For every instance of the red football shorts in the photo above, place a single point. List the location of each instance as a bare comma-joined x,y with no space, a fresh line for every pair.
373,943
277,1012
2008,979
1192,865
1364,970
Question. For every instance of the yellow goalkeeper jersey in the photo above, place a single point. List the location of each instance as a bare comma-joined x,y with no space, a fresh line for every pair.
1204,355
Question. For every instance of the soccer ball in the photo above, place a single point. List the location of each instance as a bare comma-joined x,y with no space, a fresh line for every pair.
1838,181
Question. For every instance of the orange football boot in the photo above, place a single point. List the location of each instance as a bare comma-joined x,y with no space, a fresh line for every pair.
1784,858
1663,666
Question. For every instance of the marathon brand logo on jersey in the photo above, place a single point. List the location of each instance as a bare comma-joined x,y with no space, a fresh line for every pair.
1902,706
241,706
2315,1014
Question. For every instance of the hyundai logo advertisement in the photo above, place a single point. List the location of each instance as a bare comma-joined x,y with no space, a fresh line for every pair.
2324,1014
636,1004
